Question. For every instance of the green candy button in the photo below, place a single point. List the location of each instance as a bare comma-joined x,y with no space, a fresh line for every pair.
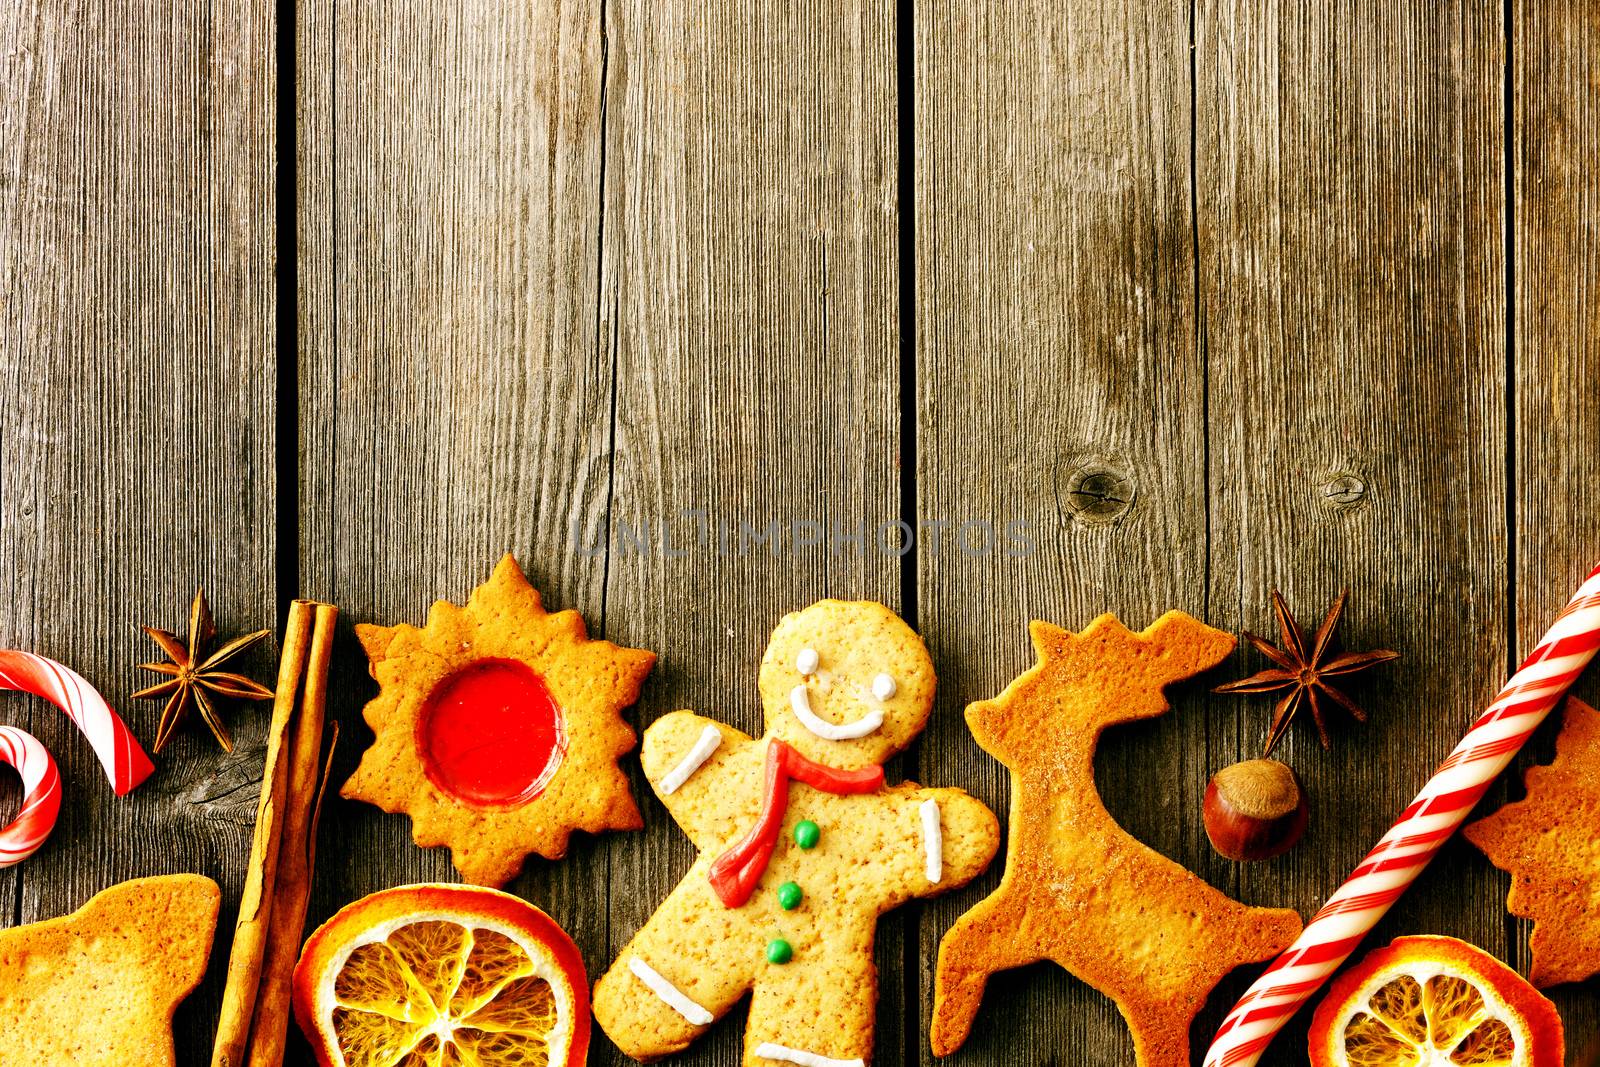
779,951
789,896
807,834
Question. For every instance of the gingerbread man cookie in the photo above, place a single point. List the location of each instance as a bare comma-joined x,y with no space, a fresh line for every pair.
802,847
1078,889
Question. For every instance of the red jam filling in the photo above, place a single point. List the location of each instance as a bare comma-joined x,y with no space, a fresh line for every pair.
491,734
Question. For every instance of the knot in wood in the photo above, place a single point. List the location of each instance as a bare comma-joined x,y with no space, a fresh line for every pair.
1344,489
1098,493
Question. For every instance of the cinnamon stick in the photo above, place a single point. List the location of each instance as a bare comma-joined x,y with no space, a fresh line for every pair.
255,906
308,776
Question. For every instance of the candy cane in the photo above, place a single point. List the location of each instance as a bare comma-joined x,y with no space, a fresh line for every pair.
1419,833
125,762
41,801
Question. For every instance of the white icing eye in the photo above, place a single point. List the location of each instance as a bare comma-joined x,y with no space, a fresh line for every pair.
883,687
806,662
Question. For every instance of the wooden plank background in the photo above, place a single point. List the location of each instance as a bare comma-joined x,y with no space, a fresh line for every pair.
1059,385
1555,219
1202,298
138,421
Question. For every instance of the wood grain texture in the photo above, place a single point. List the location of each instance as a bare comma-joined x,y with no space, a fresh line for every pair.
1201,323
1555,143
1059,386
1330,221
749,291
1353,291
137,420
454,400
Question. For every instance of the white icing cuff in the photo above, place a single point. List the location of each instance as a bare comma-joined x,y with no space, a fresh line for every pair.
800,701
769,1051
884,687
932,840
806,662
709,739
670,993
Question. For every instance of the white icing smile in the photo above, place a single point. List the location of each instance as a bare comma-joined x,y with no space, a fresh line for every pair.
800,702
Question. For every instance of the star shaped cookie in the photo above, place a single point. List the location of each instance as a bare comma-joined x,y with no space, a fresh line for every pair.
1547,843
499,726
1078,889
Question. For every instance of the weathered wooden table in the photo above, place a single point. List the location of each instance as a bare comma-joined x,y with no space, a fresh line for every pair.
345,299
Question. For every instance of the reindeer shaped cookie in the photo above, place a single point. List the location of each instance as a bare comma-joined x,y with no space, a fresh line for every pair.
1078,889
802,847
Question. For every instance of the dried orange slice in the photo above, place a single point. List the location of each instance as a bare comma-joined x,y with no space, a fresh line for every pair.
442,976
1434,1002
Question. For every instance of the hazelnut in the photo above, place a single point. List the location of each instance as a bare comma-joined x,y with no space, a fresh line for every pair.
1255,810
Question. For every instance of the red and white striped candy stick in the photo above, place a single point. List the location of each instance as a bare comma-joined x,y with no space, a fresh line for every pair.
41,800
125,762
1419,833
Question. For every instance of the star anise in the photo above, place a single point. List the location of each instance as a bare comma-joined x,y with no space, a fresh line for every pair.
192,680
1304,672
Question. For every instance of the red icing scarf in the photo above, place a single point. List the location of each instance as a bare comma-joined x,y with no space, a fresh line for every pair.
734,874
